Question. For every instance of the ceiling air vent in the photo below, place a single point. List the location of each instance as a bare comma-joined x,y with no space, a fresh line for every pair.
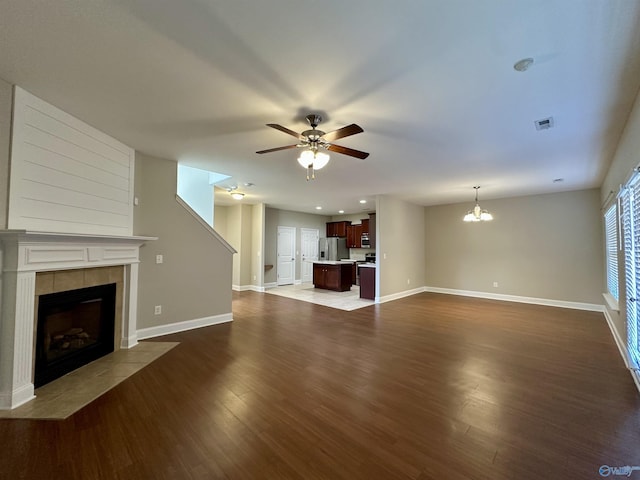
544,124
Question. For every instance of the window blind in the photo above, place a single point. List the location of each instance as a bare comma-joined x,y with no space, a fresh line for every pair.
611,241
631,227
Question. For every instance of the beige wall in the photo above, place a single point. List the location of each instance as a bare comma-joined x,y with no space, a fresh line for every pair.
257,244
401,237
243,228
234,237
194,280
246,236
286,218
220,214
6,107
541,246
239,234
626,158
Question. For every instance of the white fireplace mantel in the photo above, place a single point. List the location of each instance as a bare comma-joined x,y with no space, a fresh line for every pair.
23,254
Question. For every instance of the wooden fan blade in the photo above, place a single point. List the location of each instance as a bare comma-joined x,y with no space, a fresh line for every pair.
348,151
342,132
269,150
285,130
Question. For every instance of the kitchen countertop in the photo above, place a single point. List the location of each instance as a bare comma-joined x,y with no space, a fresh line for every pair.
367,265
333,262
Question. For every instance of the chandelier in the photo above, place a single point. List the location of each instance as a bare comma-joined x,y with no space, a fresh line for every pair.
477,214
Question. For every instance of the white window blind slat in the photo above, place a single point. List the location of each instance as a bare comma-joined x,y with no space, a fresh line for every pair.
631,233
635,344
611,243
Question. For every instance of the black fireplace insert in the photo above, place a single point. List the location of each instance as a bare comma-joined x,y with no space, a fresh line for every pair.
74,328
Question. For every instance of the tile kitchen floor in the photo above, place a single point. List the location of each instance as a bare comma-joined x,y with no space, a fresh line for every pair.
306,292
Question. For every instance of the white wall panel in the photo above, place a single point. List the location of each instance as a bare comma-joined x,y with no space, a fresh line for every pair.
66,176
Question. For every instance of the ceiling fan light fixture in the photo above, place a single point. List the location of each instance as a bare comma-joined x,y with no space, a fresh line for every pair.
309,158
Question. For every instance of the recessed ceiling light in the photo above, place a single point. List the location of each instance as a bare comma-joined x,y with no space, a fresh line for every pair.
340,211
523,65
363,201
318,207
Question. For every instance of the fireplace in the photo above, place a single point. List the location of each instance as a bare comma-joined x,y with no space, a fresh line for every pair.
35,264
74,328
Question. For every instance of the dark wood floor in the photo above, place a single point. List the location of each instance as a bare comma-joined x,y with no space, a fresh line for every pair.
427,387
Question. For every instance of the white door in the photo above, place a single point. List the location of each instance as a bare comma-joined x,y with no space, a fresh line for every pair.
286,249
309,238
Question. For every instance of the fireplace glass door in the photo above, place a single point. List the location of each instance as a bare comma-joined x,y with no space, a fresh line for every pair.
74,328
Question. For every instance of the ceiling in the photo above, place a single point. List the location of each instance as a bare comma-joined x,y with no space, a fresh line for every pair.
431,82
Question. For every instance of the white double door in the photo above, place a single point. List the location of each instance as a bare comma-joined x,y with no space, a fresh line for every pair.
286,253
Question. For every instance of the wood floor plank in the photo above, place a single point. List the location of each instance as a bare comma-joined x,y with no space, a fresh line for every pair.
426,387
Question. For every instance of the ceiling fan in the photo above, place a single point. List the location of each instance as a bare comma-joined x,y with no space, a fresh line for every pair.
314,140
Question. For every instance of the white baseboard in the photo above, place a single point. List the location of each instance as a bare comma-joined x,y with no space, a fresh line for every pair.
396,296
130,342
618,339
593,307
247,288
635,374
20,396
177,327
270,285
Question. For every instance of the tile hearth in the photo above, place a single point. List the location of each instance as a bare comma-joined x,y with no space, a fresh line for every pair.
68,394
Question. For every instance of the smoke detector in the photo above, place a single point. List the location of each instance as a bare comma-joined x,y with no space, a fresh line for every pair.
544,124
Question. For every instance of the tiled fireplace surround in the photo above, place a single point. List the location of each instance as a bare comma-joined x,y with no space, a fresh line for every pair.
35,263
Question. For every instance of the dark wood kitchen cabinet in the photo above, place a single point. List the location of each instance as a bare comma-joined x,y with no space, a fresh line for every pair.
354,236
365,225
337,229
368,282
372,230
332,276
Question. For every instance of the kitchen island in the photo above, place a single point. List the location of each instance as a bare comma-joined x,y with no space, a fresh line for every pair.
332,275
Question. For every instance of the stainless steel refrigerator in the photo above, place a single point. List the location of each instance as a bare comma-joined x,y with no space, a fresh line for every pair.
333,248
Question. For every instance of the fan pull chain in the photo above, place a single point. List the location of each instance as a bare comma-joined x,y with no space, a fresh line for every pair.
310,169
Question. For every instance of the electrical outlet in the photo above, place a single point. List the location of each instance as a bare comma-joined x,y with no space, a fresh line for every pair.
159,259
408,281
495,284
157,310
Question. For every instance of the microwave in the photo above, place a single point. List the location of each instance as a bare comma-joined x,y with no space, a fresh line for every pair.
364,240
